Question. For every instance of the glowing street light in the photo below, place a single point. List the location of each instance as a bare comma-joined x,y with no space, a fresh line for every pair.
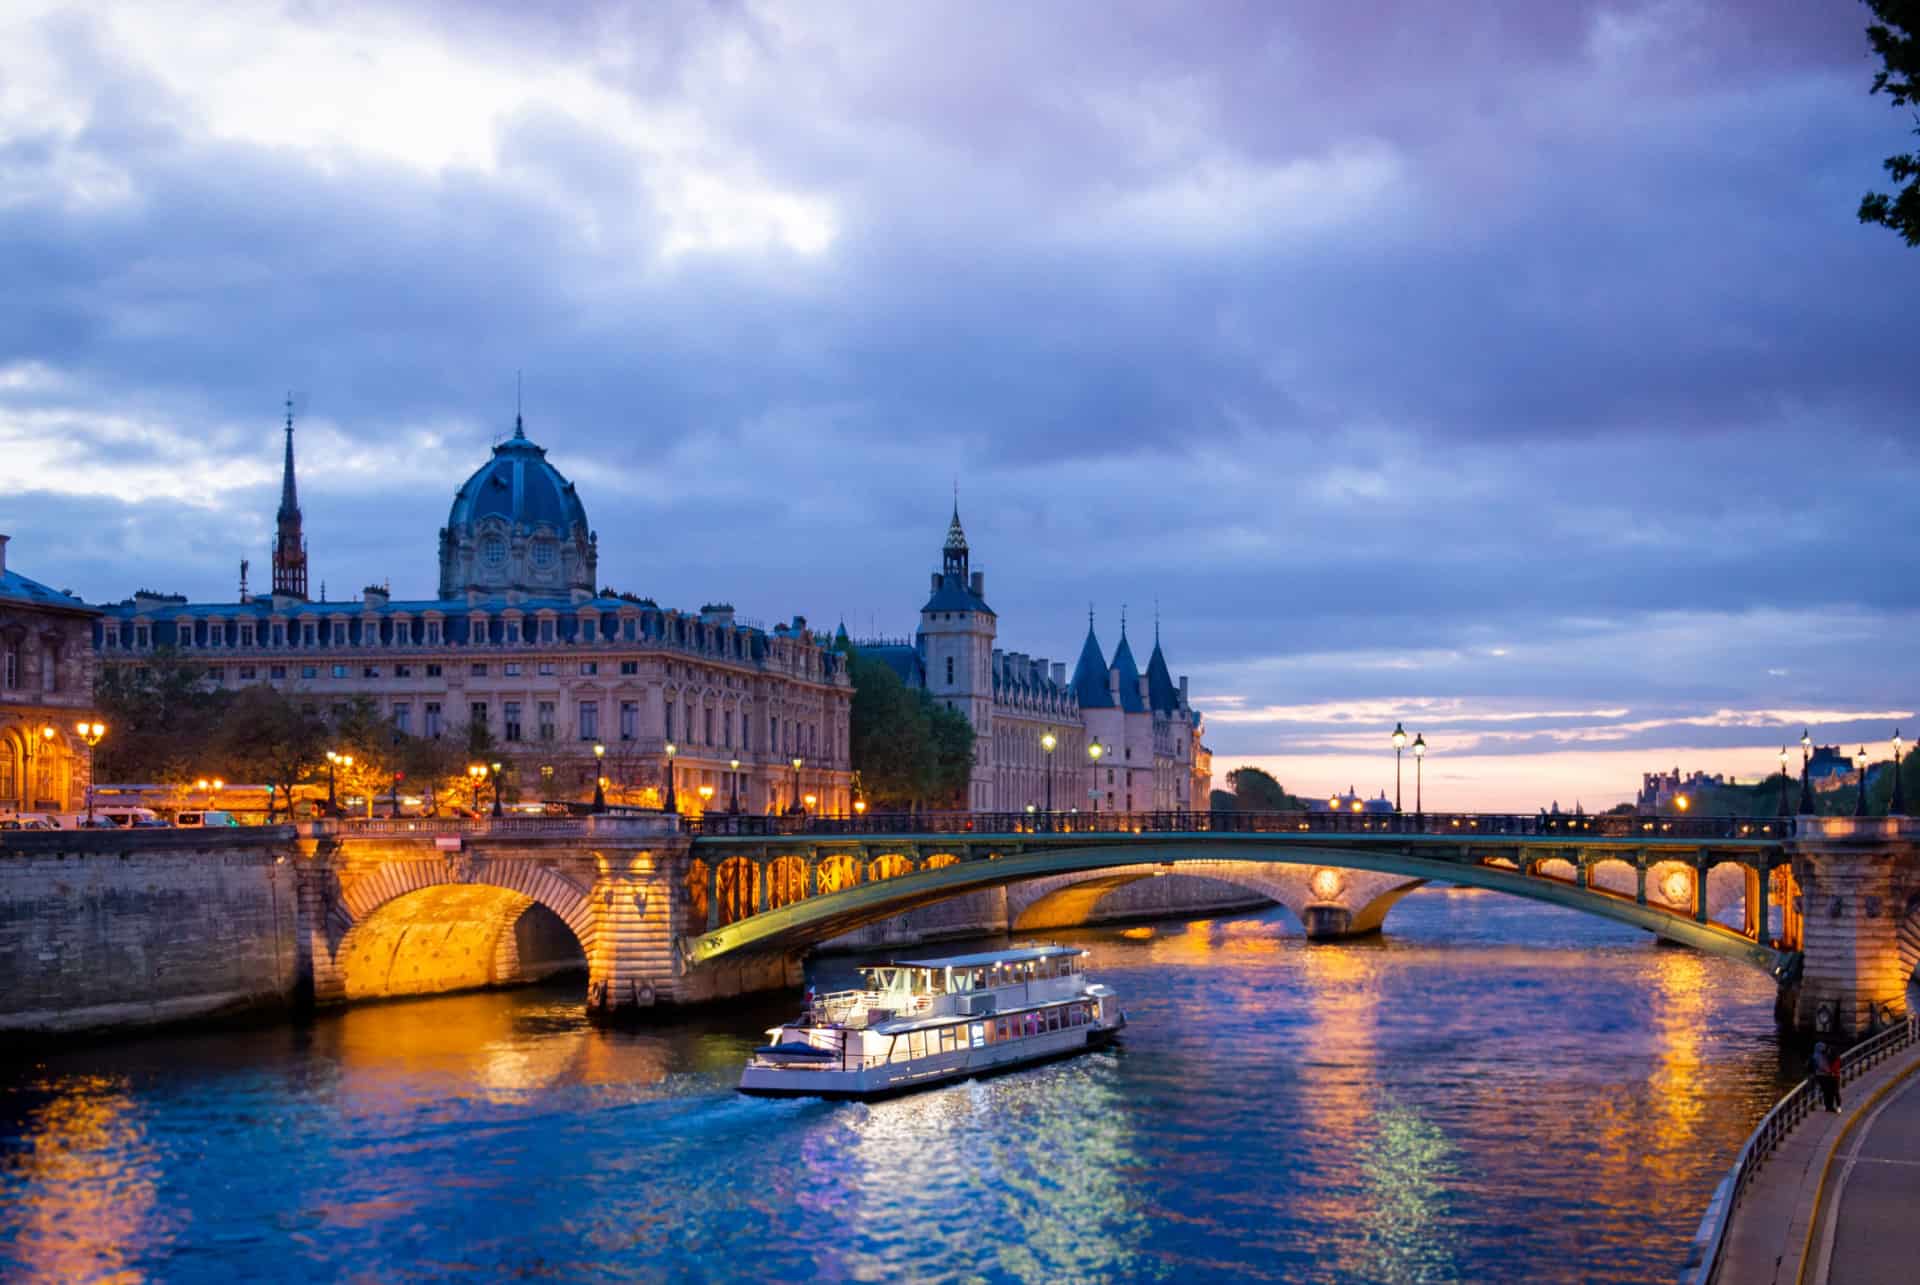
1806,778
495,769
1094,750
706,796
798,763
811,801
1682,802
1785,783
599,778
1419,757
733,786
91,732
1399,743
1860,802
477,775
672,804
1897,808
1048,742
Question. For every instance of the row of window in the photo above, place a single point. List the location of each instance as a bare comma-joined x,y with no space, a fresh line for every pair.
960,1035
11,669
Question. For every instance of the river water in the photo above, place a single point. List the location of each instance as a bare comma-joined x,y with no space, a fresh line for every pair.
1493,1091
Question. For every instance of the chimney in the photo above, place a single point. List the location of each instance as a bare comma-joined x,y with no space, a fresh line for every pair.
1059,673
1183,689
3,553
374,595
936,580
980,584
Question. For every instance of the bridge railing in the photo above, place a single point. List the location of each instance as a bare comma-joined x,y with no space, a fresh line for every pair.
1709,1242
1435,824
621,824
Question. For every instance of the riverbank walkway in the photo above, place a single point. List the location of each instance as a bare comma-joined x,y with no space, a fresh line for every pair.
1861,1164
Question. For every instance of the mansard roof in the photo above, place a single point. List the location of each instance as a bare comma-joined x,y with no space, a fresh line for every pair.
1129,676
18,590
1090,675
953,594
1162,696
901,658
520,487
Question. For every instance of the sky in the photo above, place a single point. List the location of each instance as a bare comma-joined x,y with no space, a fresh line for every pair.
1515,371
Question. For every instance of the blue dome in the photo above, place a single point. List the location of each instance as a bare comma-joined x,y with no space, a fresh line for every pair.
519,486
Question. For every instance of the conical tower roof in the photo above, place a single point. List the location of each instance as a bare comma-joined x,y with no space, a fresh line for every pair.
1090,675
1129,675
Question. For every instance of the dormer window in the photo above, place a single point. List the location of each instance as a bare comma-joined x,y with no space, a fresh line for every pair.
183,633
513,631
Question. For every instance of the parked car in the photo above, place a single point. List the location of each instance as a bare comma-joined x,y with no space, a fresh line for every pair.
197,820
28,821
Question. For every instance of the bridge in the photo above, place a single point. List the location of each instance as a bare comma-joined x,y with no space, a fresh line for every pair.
661,910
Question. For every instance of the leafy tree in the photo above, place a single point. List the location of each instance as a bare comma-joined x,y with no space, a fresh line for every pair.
266,737
907,747
161,719
1254,790
1896,39
951,736
358,731
435,768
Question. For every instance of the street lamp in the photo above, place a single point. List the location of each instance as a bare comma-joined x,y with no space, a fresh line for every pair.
1806,777
1399,743
797,762
860,807
1419,757
89,732
1897,808
476,774
495,769
1047,742
811,801
599,778
1094,750
343,762
706,797
672,804
1786,782
733,786
1860,762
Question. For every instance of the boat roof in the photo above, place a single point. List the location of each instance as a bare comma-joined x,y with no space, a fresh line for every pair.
1020,955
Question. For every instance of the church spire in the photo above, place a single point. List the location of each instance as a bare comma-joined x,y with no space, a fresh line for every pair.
953,560
289,548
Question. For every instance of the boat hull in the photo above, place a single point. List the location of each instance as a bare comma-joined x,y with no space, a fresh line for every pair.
891,1079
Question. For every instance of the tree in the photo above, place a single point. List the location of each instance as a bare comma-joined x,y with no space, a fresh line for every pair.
907,747
268,738
161,718
1254,790
951,736
1896,39
358,731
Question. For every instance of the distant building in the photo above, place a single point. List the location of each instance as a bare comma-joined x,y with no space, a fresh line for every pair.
1658,789
1152,757
46,687
1351,802
521,642
1831,769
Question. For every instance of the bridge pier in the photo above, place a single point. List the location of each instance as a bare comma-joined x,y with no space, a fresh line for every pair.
1857,876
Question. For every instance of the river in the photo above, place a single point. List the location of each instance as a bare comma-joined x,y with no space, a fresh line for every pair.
1492,1091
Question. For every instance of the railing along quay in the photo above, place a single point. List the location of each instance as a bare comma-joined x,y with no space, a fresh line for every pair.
1710,1241
1428,824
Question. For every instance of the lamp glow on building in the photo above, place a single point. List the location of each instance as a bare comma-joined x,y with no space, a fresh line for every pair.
1678,885
1326,884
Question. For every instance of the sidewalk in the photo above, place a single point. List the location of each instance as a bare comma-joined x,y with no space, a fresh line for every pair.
1768,1232
1873,1194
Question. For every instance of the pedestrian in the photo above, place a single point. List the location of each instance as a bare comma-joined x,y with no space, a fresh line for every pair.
1826,1076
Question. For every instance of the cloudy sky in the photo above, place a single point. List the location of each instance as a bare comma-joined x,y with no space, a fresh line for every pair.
1515,370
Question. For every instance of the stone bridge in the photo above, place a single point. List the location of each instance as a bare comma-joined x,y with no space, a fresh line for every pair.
657,911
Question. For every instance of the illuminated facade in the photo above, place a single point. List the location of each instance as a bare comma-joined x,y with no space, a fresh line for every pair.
521,642
46,684
1151,755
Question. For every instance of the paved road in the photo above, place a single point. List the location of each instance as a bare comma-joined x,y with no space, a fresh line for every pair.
1876,1177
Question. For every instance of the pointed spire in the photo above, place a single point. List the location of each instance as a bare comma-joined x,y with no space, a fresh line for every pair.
289,493
289,548
1090,674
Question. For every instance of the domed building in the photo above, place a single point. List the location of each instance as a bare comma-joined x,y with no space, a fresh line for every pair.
517,525
522,654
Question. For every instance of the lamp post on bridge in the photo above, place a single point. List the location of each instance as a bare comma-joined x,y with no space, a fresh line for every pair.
495,769
1898,807
1094,750
92,732
1399,743
1860,762
798,763
1786,784
672,804
733,786
1806,777
1419,757
599,778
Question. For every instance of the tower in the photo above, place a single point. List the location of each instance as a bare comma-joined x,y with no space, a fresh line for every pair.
957,629
289,548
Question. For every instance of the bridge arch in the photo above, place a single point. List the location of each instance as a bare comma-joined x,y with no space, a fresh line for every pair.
431,926
1321,898
1907,949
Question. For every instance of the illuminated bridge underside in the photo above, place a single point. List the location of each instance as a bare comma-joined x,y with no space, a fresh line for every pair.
1259,861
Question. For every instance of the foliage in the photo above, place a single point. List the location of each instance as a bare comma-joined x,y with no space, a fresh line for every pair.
1249,789
908,749
1896,39
161,718
267,738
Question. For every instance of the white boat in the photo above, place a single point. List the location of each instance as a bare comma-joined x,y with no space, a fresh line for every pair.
925,1021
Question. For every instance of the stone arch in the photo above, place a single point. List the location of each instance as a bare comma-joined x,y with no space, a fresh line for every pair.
939,860
1907,946
1348,903
431,926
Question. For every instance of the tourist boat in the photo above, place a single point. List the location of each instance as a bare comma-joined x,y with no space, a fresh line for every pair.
926,1021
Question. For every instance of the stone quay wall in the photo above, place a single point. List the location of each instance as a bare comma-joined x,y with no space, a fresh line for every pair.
1859,881
120,929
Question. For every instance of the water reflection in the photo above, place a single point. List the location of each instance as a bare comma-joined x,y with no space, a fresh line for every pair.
1486,1093
79,1186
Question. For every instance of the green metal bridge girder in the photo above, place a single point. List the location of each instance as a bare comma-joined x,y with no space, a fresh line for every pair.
1017,857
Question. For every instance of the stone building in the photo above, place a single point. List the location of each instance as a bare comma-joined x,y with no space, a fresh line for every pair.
1149,736
46,687
520,641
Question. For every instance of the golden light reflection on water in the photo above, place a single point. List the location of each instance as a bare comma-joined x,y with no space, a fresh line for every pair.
80,1202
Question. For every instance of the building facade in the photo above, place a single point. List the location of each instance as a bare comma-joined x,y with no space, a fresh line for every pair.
1148,736
46,687
521,642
